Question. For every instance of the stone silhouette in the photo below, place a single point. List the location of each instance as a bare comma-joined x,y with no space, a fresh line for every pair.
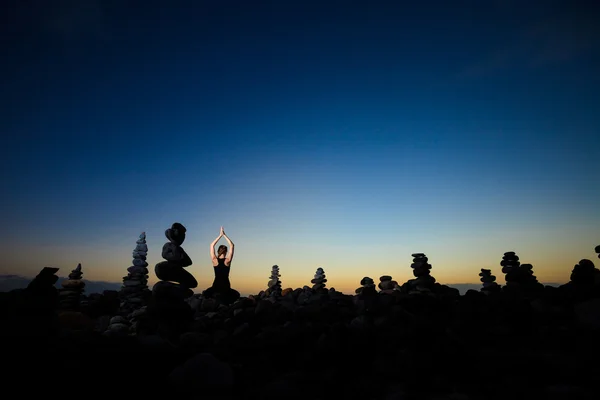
518,276
584,282
584,273
386,284
135,285
169,305
319,279
70,294
177,259
510,267
367,285
489,281
423,282
274,284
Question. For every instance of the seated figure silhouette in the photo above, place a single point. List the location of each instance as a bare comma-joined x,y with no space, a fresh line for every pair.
221,288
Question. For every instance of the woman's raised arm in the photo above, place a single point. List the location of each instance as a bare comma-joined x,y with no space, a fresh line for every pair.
214,243
229,255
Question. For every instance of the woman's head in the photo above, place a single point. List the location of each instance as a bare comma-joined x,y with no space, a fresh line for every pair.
221,251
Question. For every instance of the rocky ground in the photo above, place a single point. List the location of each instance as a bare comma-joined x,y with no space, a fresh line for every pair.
539,344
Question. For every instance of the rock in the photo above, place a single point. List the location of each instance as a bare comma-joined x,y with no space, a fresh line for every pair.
489,281
170,306
304,295
118,320
71,293
274,284
424,282
176,259
119,327
202,372
588,313
171,290
584,273
386,283
209,305
75,321
138,269
367,286
135,291
519,277
319,280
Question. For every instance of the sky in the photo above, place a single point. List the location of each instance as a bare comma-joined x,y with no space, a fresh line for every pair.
334,134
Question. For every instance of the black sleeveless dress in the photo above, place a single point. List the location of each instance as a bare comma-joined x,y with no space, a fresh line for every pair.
221,287
221,282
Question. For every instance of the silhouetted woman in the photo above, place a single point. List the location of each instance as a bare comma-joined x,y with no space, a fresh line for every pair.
221,287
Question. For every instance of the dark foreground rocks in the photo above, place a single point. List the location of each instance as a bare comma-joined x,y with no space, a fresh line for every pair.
321,346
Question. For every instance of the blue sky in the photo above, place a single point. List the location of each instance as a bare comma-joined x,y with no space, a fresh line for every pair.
334,135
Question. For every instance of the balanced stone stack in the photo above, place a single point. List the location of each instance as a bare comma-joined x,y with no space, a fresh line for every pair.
169,307
135,285
274,290
319,280
528,279
386,284
585,273
174,279
518,276
367,285
422,271
489,281
527,276
70,294
597,250
510,268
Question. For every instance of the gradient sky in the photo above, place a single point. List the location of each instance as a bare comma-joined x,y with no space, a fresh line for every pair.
340,134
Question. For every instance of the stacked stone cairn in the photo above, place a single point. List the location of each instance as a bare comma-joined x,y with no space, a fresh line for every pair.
528,278
70,294
367,285
169,295
518,276
319,280
175,281
510,268
386,284
584,274
135,285
489,281
274,290
424,282
597,250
